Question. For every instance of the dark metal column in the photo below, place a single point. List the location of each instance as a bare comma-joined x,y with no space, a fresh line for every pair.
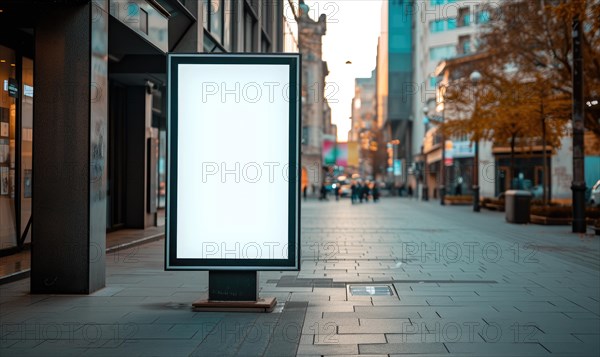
476,207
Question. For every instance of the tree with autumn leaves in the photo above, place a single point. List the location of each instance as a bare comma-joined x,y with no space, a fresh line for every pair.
536,37
524,96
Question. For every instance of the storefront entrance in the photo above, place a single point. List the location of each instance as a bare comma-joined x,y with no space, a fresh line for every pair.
16,141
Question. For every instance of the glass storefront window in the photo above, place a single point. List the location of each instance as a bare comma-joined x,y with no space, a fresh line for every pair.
8,93
227,25
16,174
249,32
26,143
216,19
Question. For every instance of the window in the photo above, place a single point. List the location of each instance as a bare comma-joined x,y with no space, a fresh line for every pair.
210,45
144,21
483,17
217,21
464,17
451,24
267,17
249,33
265,45
305,135
442,52
440,2
464,45
432,82
442,25
436,26
227,25
8,126
16,127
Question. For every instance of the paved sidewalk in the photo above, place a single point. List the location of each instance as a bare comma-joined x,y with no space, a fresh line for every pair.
17,266
462,284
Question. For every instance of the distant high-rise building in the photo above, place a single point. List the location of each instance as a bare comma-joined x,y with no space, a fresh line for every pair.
364,120
395,85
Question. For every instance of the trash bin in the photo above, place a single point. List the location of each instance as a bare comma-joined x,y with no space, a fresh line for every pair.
517,204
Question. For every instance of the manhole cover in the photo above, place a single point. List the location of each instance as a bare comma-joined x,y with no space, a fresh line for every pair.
370,290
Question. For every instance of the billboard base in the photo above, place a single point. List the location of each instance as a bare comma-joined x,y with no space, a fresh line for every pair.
234,290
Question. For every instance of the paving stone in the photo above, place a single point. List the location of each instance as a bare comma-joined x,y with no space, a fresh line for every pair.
326,326
497,349
385,328
573,348
426,337
319,350
333,339
403,348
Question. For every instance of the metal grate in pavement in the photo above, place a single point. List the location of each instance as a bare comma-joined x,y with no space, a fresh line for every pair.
370,290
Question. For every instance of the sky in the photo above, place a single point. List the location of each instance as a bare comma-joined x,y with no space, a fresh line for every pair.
353,27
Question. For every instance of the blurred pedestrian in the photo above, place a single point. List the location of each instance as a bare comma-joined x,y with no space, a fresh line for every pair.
305,192
375,192
336,190
401,190
323,193
410,192
458,188
359,192
353,190
366,191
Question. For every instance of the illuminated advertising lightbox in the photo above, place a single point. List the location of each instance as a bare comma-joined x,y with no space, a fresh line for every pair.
234,156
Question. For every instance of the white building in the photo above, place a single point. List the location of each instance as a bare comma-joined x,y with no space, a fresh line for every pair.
443,29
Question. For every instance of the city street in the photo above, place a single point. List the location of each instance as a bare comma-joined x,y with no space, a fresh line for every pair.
203,176
396,277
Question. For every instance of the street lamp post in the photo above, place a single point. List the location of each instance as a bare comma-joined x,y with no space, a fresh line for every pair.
475,78
425,195
578,183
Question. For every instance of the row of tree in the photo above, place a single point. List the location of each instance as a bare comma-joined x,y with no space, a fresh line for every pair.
525,60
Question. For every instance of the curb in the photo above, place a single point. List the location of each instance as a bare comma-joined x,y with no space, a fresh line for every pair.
136,242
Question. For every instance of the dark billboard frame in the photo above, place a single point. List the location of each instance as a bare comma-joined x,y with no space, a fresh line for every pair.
172,262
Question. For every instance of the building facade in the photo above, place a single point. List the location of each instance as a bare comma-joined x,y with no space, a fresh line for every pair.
316,115
85,112
395,88
444,29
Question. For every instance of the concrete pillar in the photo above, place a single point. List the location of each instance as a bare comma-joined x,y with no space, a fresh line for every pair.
69,167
